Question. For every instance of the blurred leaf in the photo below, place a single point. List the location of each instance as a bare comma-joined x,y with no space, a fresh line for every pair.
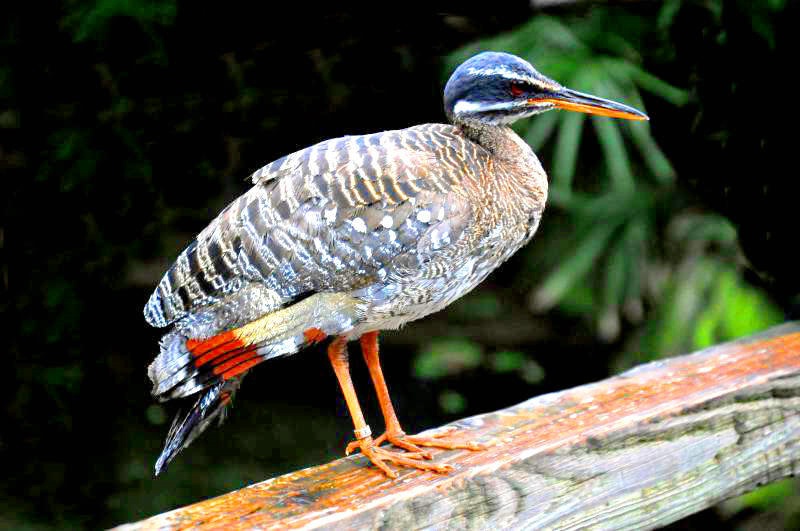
135,469
156,414
478,306
617,270
90,19
452,402
654,158
636,248
538,130
617,158
695,232
764,27
669,9
566,152
708,321
705,303
671,326
578,300
506,361
447,357
686,295
555,34
641,135
532,373
660,88
768,497
68,377
746,311
573,267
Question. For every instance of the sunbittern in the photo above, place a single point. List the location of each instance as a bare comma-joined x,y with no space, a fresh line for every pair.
356,235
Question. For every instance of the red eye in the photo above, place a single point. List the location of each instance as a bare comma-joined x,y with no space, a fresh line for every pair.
517,89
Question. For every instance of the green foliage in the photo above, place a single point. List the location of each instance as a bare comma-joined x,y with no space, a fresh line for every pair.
777,502
478,307
452,402
507,361
531,372
450,357
516,362
156,414
89,20
68,378
445,357
769,496
704,303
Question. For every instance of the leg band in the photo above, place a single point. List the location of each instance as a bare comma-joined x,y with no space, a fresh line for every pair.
363,433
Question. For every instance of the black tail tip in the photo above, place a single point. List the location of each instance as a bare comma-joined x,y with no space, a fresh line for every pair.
185,429
161,464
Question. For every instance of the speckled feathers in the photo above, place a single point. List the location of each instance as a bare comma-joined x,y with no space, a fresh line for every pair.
329,217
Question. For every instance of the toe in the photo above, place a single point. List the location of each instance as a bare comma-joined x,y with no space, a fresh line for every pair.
351,447
447,444
401,442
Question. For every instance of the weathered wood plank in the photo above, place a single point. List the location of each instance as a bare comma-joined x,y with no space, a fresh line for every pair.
635,451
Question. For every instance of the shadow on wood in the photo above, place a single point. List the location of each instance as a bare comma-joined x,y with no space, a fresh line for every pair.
638,450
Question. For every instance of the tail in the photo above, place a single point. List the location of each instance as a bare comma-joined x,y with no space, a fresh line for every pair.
216,365
187,366
185,429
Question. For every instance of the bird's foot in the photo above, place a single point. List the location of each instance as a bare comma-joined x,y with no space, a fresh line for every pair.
414,443
414,446
411,459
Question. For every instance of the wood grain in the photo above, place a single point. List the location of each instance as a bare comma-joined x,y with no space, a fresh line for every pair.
635,451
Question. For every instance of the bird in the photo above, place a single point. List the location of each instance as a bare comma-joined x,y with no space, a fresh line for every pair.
353,236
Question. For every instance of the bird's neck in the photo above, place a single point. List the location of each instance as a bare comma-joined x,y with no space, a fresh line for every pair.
521,166
493,138
501,141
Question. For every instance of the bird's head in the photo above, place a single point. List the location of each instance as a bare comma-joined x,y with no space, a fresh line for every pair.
498,88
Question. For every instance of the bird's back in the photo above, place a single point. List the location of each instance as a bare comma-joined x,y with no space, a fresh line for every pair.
334,217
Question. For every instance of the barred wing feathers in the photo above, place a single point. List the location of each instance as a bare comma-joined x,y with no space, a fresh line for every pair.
331,217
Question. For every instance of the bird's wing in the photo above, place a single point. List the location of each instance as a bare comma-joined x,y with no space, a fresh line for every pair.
333,217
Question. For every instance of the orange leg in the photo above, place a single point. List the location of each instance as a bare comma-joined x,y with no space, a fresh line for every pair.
337,353
394,433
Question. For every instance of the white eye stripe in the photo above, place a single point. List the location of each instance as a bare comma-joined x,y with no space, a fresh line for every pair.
469,107
467,110
501,71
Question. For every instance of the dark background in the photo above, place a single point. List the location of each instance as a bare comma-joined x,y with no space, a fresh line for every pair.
125,127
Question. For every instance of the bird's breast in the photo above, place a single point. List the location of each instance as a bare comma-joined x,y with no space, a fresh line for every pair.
442,280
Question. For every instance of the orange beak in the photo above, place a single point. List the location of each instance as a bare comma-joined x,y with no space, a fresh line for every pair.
572,100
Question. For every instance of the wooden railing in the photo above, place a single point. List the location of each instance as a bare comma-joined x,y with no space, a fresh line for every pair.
635,451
